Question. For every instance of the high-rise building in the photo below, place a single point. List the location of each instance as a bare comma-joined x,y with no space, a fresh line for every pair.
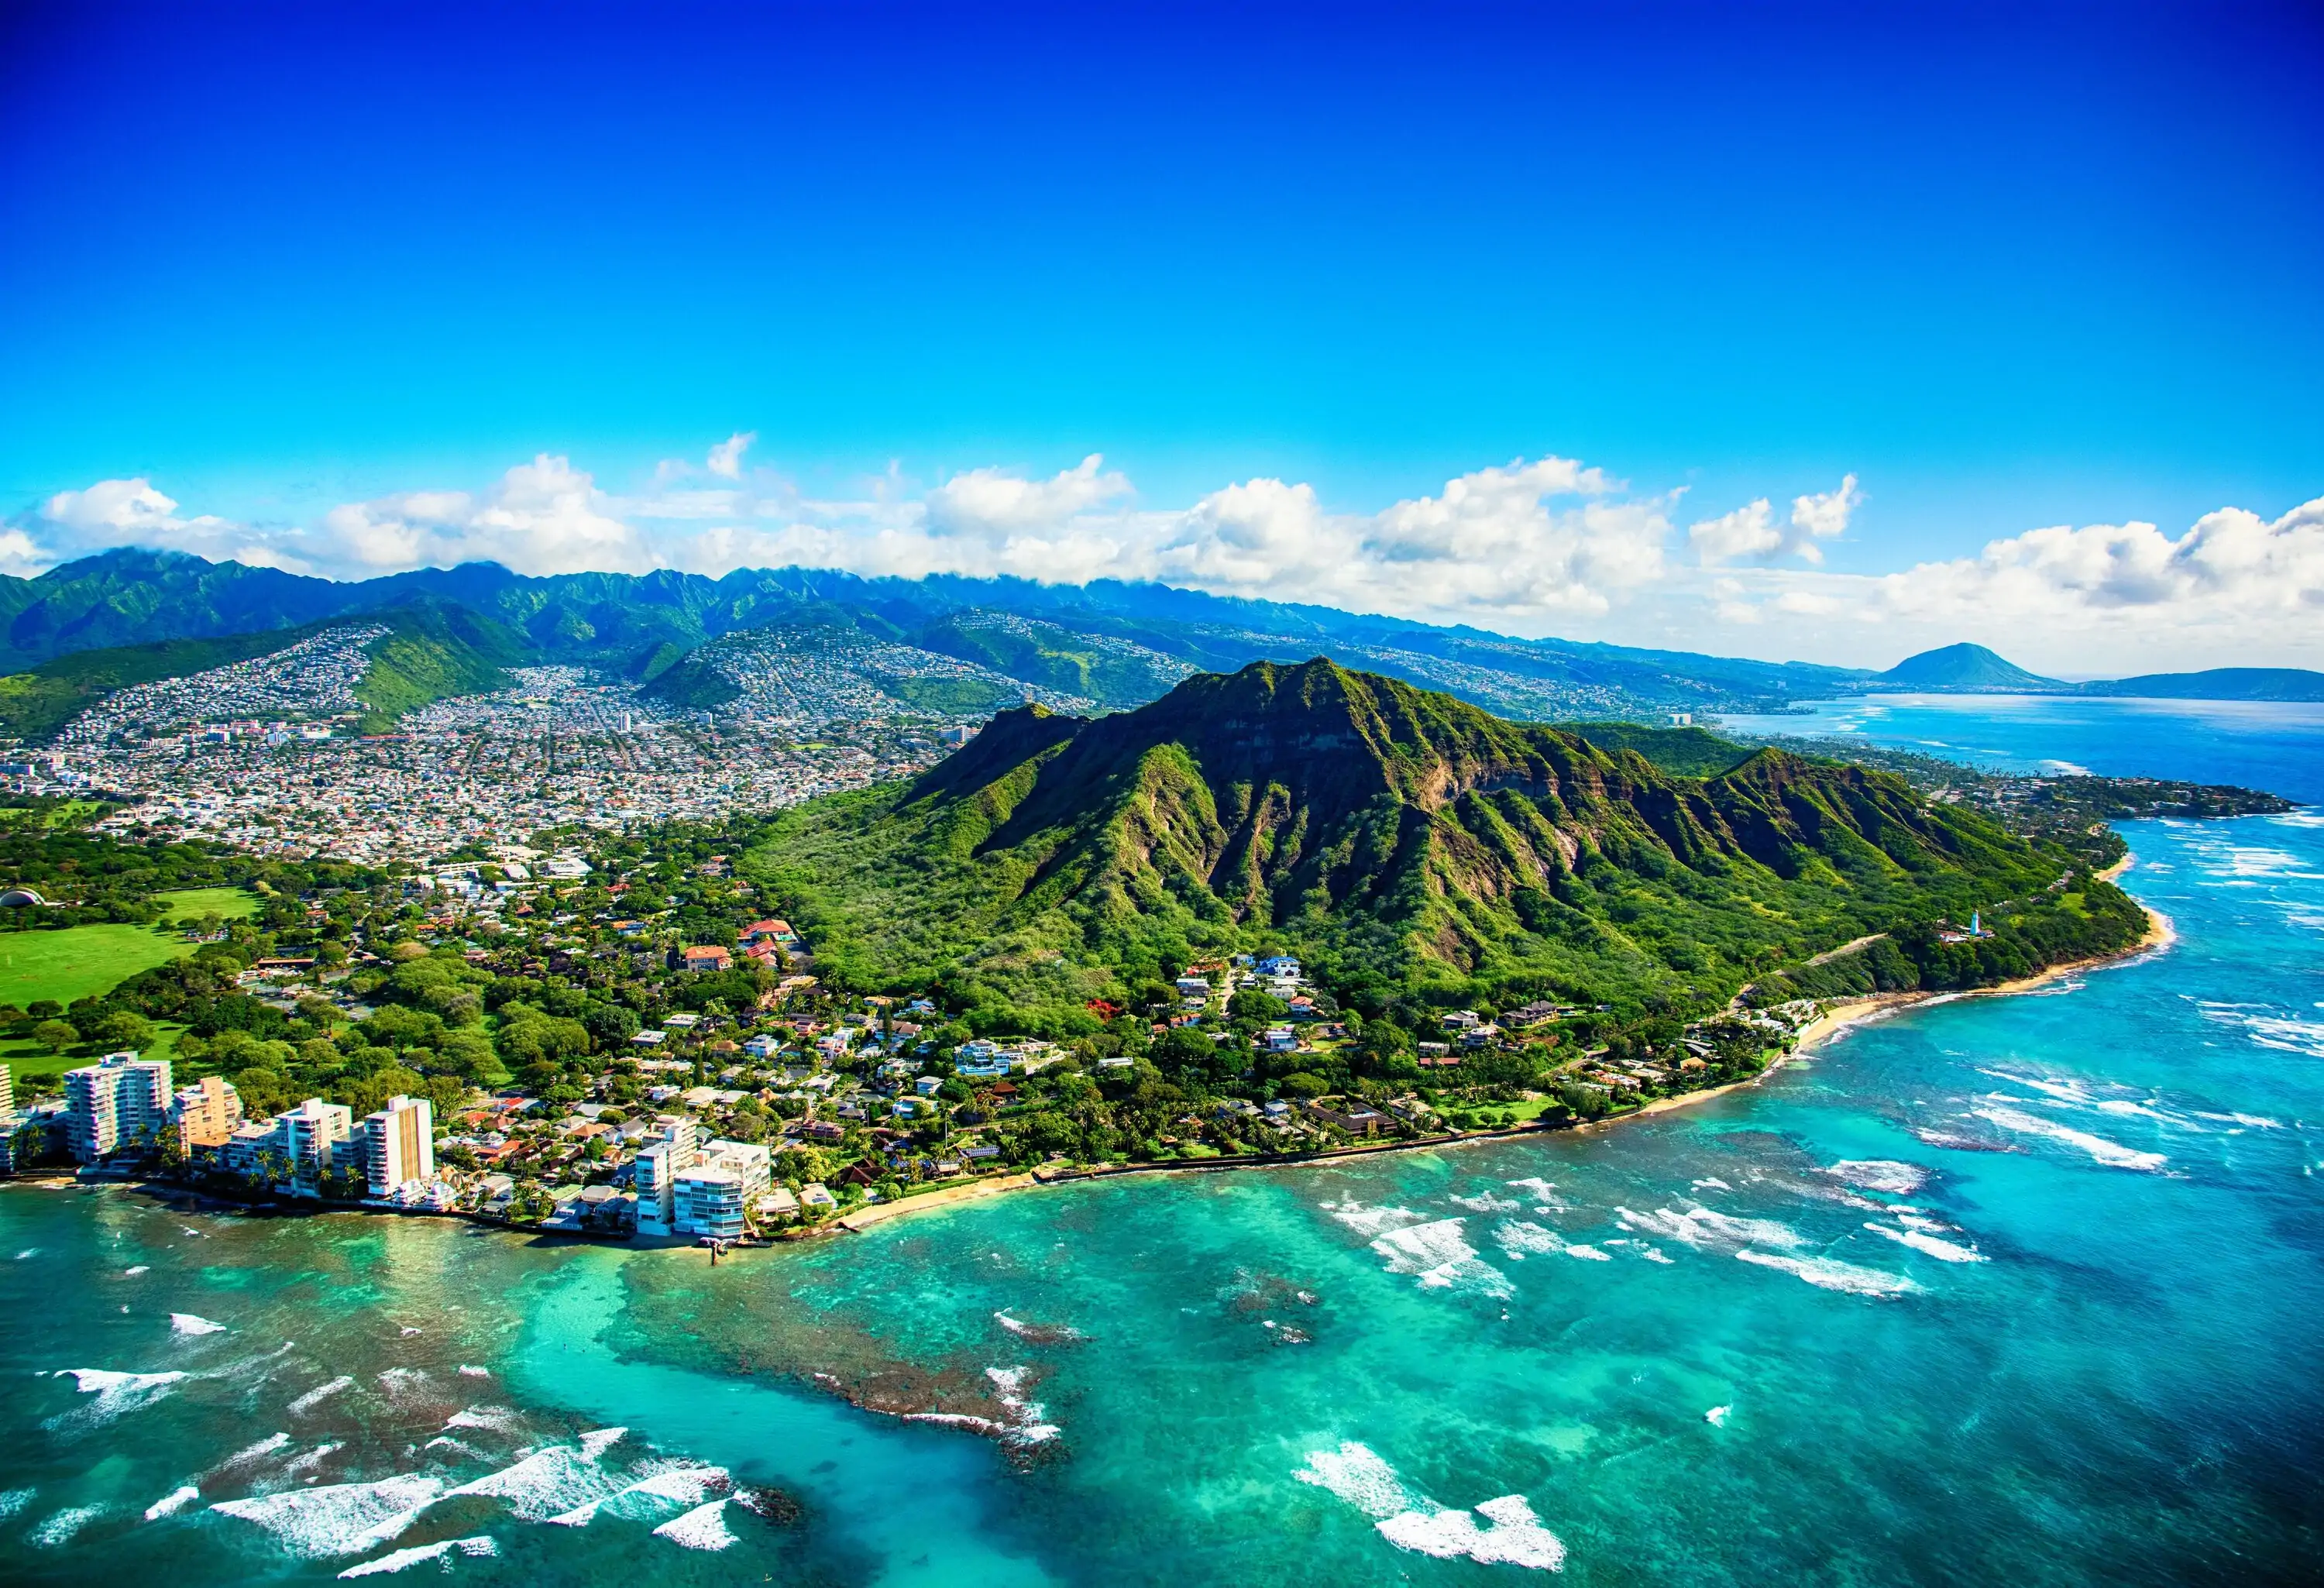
399,1144
207,1115
708,1197
297,1146
121,1102
7,1096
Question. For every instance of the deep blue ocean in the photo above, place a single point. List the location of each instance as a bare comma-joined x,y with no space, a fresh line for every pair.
2017,1289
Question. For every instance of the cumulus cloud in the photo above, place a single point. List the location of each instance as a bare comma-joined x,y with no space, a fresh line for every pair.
725,459
1752,531
131,513
542,517
1531,546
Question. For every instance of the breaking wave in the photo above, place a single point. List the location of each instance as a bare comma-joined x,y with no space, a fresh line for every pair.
320,1394
1881,1174
1512,1534
1828,1273
1921,1241
1440,1257
115,1393
480,1545
1706,1227
2111,1153
337,1518
1367,1221
703,1527
186,1322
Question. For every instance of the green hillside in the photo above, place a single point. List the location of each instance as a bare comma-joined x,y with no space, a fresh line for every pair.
1404,843
429,653
1686,752
34,704
1045,654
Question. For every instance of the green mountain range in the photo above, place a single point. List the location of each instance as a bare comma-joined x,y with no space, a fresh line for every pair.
1407,845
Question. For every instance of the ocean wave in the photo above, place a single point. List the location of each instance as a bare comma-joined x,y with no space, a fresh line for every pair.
679,1484
545,1484
186,1322
1828,1273
402,1383
1039,1334
1026,1423
2256,1122
1440,1257
13,1501
116,1392
320,1394
1416,1524
1881,1174
131,1273
250,1452
337,1519
1543,1193
703,1527
1935,1246
1705,1227
2110,1153
467,1370
497,1418
174,1501
1368,1221
59,1529
1519,1239
1710,1184
483,1544
597,1440
1486,1201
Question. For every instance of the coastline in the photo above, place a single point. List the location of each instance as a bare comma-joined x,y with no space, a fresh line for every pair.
1828,1026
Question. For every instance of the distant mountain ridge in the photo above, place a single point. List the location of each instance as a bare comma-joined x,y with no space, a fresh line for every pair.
1112,644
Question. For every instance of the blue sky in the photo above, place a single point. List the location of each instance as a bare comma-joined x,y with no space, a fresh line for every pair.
2009,268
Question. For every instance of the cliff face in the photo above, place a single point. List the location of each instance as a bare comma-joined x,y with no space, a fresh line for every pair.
1357,816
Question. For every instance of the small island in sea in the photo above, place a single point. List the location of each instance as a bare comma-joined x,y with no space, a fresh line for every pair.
1289,912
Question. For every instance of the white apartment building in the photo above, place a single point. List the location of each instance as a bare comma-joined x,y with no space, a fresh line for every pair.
399,1145
121,1101
306,1141
710,1197
669,1151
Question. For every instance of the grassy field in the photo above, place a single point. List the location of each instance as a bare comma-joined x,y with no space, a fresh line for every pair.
80,961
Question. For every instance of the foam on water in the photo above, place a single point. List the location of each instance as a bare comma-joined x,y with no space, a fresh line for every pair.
58,1530
483,1544
468,1371
1920,1240
545,1484
186,1322
174,1501
1707,1227
1440,1257
499,1418
703,1527
2110,1153
1879,1173
1412,1522
116,1392
1717,1416
1486,1201
1368,1221
13,1501
597,1440
250,1452
337,1519
320,1394
1520,1240
131,1273
1828,1273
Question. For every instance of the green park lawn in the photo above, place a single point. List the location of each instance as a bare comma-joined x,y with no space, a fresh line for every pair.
80,961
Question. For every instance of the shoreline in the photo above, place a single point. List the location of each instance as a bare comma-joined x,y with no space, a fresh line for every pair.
1826,1027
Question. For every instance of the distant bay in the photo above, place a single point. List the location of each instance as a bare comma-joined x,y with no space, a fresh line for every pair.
2277,747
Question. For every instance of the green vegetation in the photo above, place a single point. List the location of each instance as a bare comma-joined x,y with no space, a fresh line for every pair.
1407,845
951,697
1684,753
34,704
431,652
79,962
1044,654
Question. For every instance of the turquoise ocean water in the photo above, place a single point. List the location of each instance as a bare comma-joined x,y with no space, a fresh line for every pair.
2257,744
2005,1289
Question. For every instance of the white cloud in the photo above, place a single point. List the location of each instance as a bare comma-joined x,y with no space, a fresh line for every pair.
1751,531
990,503
543,517
1748,532
132,513
1545,545
1820,518
725,459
